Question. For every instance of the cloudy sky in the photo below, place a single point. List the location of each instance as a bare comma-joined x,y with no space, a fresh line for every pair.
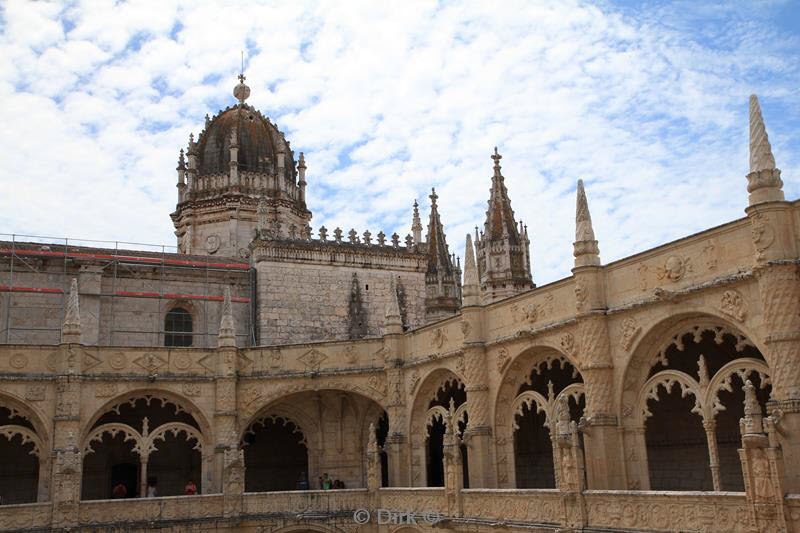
647,102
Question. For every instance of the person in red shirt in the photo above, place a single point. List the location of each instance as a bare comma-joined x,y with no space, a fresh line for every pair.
190,489
119,491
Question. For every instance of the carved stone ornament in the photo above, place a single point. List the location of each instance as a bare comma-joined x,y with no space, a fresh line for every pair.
630,331
465,327
18,361
117,361
568,343
312,359
439,338
709,255
502,359
581,296
150,362
733,305
212,243
35,392
675,268
191,389
275,358
105,390
350,355
642,271
182,361
762,233
414,381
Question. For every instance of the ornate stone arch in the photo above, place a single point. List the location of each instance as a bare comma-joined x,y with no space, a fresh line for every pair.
436,379
181,404
652,345
19,407
9,431
255,398
642,380
507,403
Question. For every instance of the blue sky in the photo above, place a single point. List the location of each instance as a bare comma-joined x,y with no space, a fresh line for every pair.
646,101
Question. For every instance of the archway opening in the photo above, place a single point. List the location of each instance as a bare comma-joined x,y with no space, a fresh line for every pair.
451,393
19,459
176,462
167,437
533,451
19,470
677,451
381,432
113,462
276,456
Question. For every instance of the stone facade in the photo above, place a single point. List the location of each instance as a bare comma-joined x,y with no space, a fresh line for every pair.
655,393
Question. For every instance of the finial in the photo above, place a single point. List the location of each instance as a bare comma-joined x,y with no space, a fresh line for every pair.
496,157
241,92
583,219
181,161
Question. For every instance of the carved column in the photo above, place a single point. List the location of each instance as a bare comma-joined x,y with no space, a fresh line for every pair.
710,427
601,437
233,481
374,473
453,466
478,434
762,467
779,290
68,463
396,444
571,467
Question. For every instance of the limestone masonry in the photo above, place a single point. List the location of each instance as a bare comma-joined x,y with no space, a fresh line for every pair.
334,380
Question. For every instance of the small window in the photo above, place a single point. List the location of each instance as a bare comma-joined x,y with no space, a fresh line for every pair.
178,328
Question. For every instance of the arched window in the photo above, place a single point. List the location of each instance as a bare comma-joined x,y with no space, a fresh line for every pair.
178,328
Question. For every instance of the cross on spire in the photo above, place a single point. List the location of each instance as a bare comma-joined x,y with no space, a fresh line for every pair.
433,197
497,157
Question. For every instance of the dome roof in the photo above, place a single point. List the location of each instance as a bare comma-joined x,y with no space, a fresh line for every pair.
259,143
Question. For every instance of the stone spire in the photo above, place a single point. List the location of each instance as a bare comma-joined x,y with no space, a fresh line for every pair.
71,327
471,290
416,225
441,279
764,179
227,328
392,320
585,246
503,265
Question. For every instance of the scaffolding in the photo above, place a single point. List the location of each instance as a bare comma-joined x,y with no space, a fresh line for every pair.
37,265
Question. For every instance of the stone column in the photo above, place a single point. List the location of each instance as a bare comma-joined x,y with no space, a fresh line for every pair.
478,434
601,438
233,481
710,427
571,467
225,413
453,466
774,234
762,467
396,441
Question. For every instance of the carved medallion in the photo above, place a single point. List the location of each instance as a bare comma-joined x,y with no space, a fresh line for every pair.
212,243
150,361
18,361
732,304
568,343
675,268
117,361
191,389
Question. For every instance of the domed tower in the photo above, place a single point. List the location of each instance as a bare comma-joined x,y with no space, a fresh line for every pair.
240,169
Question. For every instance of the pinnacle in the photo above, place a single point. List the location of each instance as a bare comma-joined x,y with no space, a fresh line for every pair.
393,321
71,327
583,219
470,269
227,329
761,157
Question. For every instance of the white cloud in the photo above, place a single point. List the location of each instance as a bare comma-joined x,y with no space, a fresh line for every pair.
648,105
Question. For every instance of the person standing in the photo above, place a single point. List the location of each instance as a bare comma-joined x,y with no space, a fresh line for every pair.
119,491
190,489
